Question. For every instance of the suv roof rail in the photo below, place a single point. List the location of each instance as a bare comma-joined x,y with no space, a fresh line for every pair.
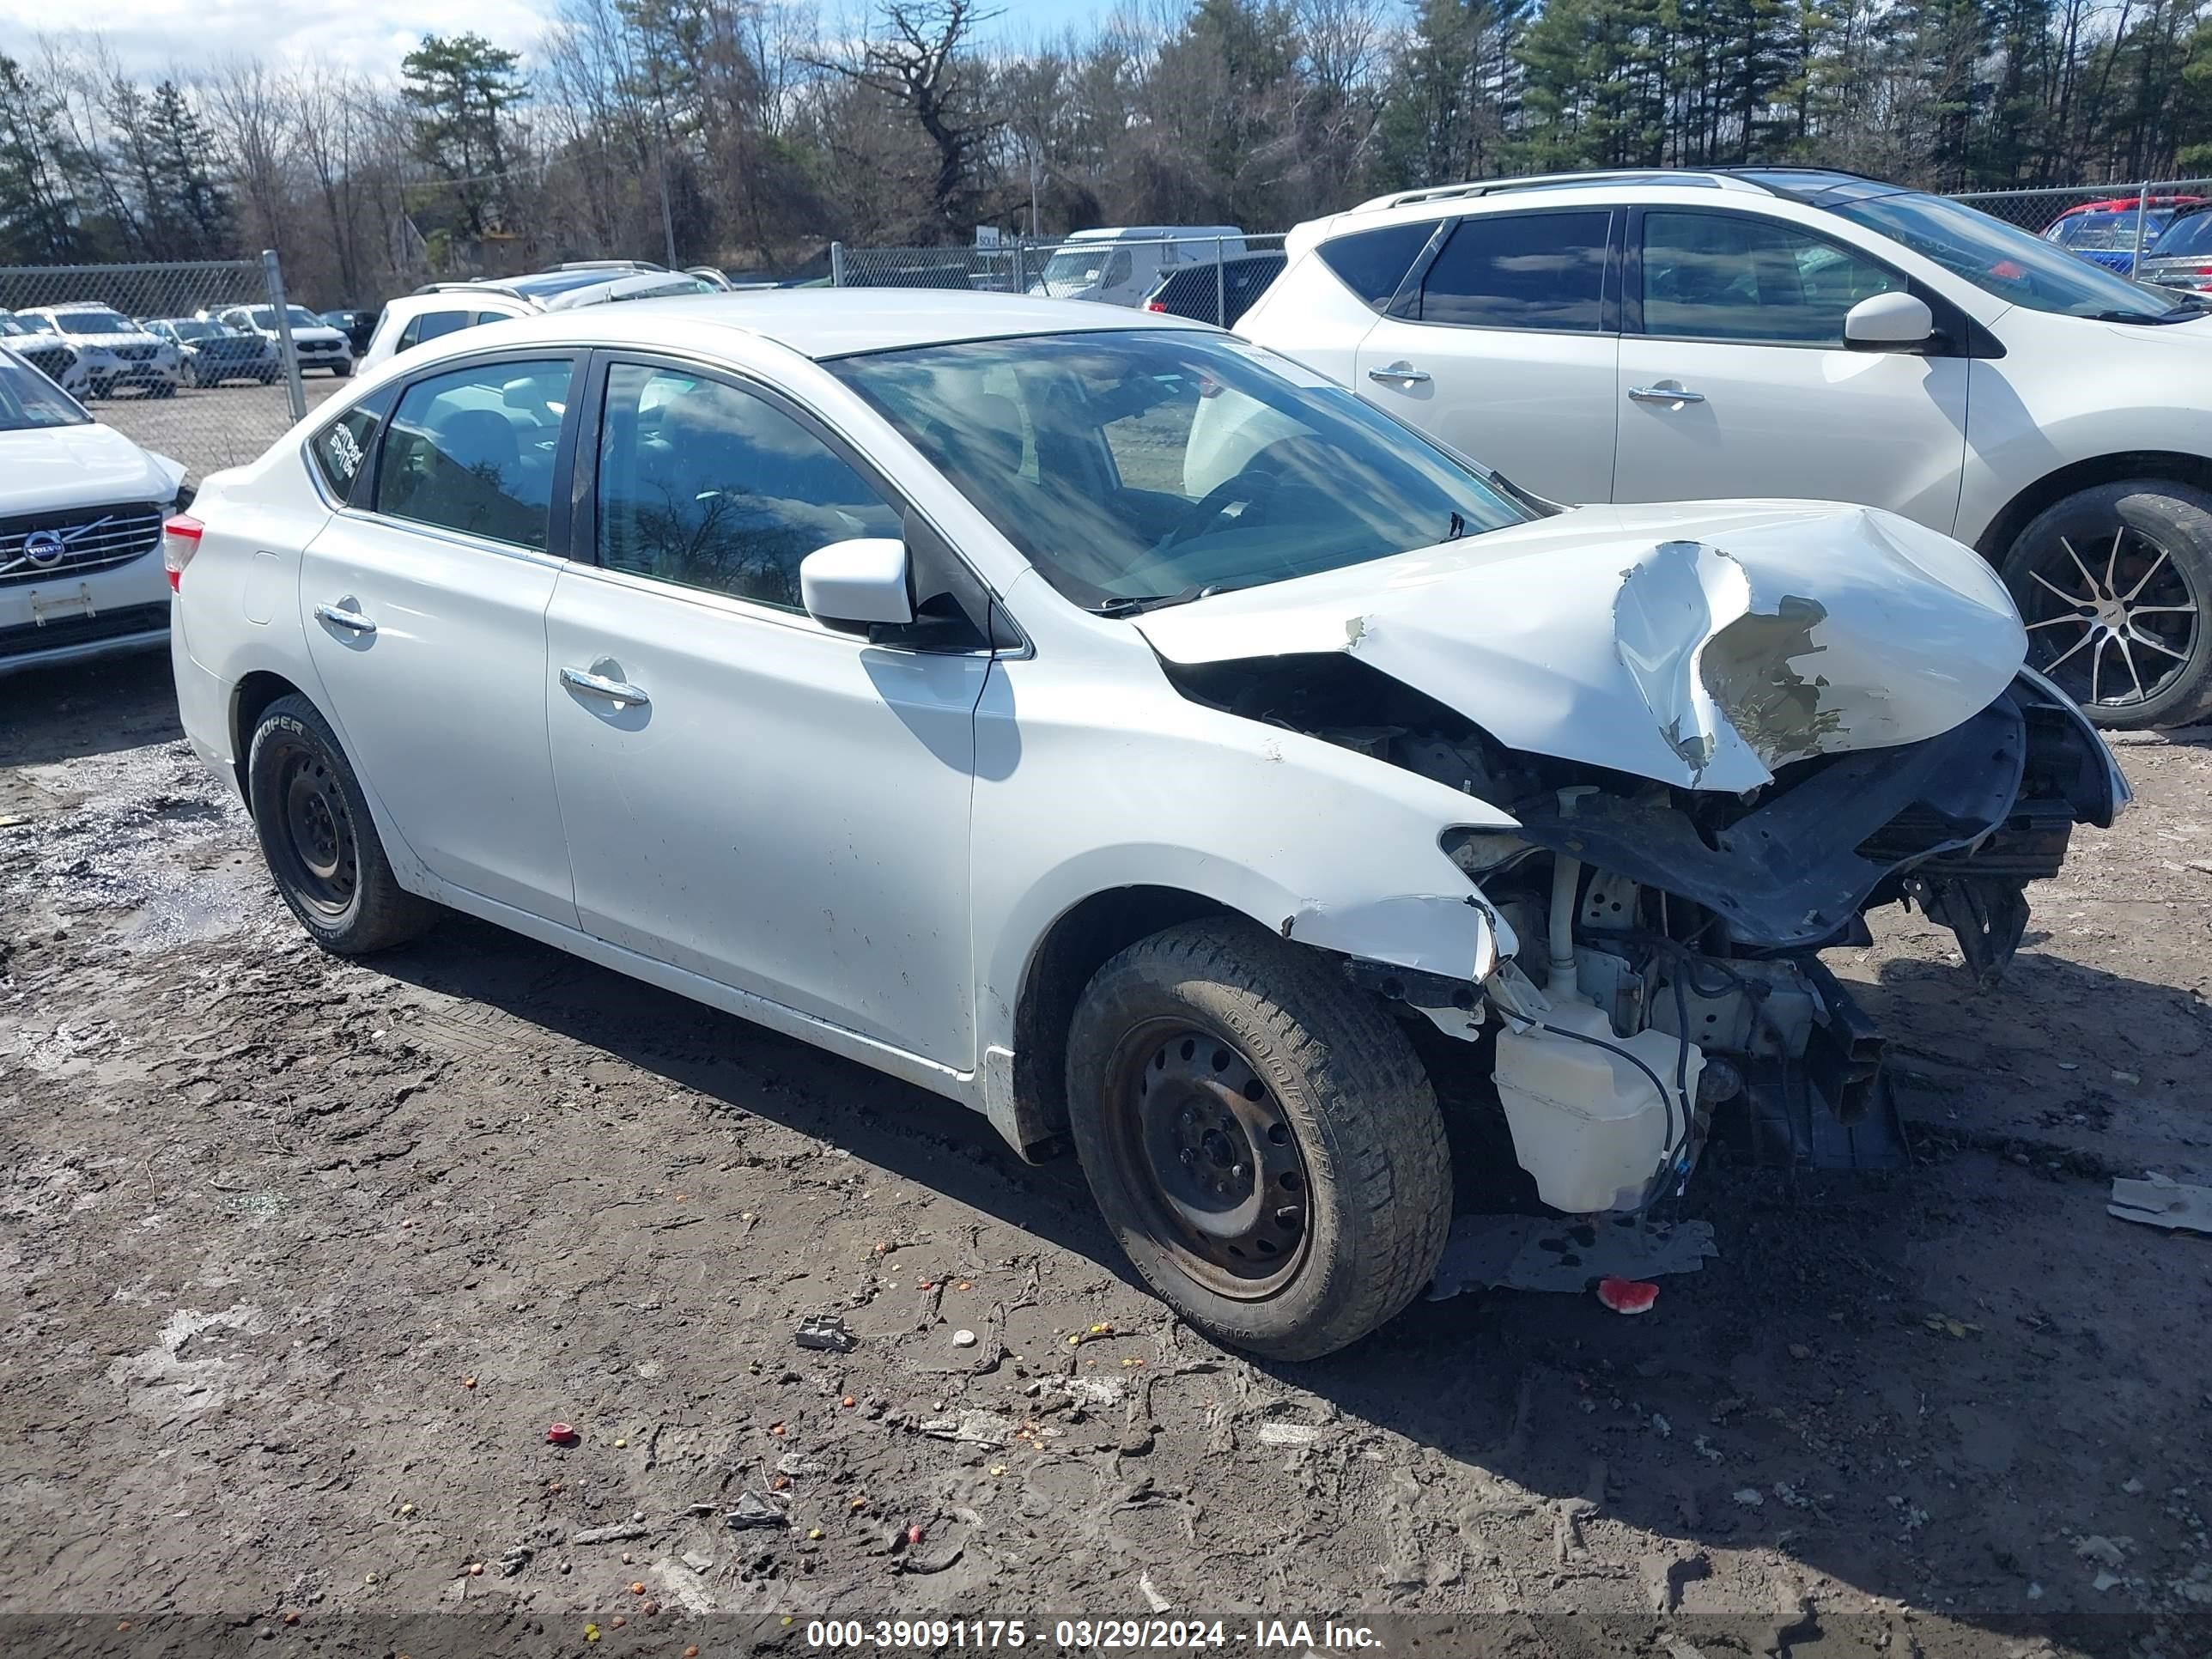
609,264
1702,178
479,285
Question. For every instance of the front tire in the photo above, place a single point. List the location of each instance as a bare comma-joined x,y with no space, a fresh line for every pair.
1261,1138
2115,585
318,839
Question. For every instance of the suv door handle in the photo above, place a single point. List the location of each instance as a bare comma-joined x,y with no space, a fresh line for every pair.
1400,373
598,685
1666,391
343,615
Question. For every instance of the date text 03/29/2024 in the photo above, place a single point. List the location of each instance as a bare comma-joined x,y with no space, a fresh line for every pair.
1088,1635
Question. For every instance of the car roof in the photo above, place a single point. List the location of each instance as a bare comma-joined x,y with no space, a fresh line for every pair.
816,323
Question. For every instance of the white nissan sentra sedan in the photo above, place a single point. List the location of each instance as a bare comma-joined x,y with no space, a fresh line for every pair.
1108,724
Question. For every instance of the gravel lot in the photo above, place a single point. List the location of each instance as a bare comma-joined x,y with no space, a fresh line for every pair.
303,1258
210,430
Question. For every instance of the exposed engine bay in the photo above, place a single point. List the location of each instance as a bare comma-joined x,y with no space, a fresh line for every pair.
1659,962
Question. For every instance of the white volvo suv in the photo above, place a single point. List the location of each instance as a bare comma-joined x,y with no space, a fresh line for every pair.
1663,336
1123,731
80,514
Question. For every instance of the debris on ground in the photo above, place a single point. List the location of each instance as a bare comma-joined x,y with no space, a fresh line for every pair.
2162,1201
615,1534
561,1434
827,1331
972,1428
1627,1296
755,1509
1548,1253
963,1339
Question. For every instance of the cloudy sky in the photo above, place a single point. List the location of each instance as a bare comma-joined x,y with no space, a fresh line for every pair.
153,36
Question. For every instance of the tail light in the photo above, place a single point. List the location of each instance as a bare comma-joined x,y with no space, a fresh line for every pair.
1154,305
180,540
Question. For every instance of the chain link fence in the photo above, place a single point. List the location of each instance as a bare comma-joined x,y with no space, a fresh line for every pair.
2113,225
1212,278
200,362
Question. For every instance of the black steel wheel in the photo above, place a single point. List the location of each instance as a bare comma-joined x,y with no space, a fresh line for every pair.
1205,1144
1260,1135
318,837
2114,585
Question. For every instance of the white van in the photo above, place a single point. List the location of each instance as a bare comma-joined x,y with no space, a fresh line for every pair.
1121,265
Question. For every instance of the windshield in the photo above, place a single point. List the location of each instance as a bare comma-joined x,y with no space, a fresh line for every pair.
2008,262
11,326
300,316
93,322
1149,466
1077,267
2106,230
191,330
2190,235
29,399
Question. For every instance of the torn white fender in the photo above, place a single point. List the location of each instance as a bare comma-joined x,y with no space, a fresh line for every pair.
1456,935
1785,629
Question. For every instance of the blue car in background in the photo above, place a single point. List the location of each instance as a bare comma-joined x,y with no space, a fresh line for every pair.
2104,233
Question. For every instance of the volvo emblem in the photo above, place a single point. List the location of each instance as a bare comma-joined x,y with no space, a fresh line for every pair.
44,548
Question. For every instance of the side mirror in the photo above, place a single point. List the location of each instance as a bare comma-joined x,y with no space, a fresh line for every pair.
1888,322
852,586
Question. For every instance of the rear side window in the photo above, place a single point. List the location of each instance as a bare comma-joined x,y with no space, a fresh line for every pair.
1521,271
473,450
1372,263
430,324
341,450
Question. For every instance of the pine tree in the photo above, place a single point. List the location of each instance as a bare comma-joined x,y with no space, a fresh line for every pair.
37,218
461,89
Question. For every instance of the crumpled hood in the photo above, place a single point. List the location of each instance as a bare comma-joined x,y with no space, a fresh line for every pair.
47,469
1700,643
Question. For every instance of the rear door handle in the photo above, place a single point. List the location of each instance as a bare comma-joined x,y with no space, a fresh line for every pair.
1399,374
343,615
1666,391
598,685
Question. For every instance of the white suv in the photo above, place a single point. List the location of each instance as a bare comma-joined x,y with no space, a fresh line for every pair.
81,513
317,343
1663,336
441,308
111,350
1114,727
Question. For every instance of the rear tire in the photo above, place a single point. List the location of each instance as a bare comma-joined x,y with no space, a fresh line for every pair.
318,839
1261,1138
2115,585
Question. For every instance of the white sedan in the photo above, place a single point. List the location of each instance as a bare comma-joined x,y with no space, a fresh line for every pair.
1108,724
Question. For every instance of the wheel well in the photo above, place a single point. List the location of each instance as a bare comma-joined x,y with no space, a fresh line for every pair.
2047,491
254,695
1073,948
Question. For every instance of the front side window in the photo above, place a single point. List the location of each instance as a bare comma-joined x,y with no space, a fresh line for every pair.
473,450
1138,467
708,486
1728,277
2191,234
1521,271
2014,264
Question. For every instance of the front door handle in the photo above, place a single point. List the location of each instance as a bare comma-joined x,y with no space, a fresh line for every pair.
1400,373
344,615
1666,391
598,685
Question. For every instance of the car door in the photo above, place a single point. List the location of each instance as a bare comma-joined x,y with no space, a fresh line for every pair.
1734,379
748,795
425,618
1502,342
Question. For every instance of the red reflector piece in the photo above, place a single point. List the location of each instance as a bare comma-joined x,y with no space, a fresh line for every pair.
1627,1296
180,540
1154,305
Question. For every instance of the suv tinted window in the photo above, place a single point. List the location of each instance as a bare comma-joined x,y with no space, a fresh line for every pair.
341,450
1521,271
708,486
1372,263
473,450
430,324
1724,277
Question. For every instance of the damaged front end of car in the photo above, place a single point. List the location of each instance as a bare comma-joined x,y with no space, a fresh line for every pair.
1755,758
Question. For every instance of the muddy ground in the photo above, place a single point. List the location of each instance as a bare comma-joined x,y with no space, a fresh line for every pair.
302,1258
